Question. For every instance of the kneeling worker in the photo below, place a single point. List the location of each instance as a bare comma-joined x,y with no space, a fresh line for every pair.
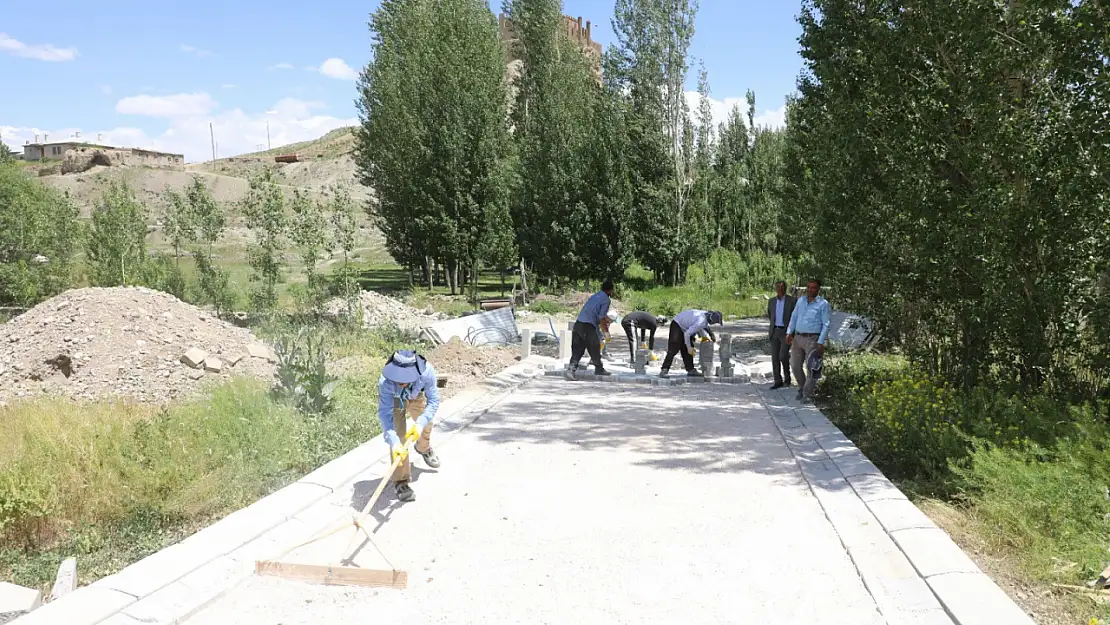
646,323
407,389
685,326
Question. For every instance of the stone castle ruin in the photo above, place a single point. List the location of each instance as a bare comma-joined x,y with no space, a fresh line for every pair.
576,30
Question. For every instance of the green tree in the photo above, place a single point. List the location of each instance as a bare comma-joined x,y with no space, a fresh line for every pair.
309,233
434,138
117,239
40,236
648,67
341,213
955,186
264,210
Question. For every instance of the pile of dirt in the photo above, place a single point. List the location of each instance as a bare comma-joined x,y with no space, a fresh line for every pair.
465,364
97,343
378,310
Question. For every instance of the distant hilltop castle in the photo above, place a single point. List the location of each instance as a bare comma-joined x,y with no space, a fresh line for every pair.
575,30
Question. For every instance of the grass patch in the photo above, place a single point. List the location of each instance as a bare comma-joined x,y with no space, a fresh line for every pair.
112,482
1028,474
670,301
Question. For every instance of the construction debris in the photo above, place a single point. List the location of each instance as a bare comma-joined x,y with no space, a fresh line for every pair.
380,310
66,580
16,601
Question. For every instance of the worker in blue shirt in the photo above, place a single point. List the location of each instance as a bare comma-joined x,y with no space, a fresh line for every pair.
592,323
806,334
408,398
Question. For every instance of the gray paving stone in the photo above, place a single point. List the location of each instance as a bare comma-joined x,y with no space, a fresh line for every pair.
875,488
84,606
853,464
836,444
162,606
120,619
788,422
853,522
899,514
822,474
159,569
342,469
973,599
891,579
932,552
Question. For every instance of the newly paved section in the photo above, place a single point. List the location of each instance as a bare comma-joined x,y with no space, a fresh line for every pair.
585,503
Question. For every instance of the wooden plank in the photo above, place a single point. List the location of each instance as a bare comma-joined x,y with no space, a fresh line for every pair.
333,575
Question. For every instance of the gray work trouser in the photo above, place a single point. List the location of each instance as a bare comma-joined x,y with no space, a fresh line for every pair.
780,356
800,349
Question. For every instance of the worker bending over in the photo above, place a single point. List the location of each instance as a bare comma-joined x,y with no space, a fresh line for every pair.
685,326
647,324
408,398
592,323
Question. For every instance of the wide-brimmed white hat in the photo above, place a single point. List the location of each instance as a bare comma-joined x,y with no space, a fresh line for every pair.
404,366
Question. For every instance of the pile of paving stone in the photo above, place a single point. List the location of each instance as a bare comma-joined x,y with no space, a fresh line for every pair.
97,343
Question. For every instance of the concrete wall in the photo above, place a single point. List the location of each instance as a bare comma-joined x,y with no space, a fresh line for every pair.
133,157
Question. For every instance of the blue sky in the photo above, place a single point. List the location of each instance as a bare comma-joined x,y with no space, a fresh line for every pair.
155,75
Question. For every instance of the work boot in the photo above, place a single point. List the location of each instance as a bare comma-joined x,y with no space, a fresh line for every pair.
664,373
571,373
430,457
602,372
798,397
694,374
404,492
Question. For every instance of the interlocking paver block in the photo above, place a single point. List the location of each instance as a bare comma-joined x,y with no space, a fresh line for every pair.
899,514
83,606
932,552
821,474
973,599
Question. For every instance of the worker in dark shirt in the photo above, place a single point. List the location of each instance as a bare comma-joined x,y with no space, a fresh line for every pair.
647,324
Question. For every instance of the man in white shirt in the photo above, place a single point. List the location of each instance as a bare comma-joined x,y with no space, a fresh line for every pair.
684,327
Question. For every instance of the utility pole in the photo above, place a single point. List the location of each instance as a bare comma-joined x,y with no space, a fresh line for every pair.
268,135
212,136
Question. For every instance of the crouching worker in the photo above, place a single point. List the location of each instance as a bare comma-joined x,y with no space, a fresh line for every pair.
408,398
684,327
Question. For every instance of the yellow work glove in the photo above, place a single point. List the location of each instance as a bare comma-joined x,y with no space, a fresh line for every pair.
412,433
398,451
692,351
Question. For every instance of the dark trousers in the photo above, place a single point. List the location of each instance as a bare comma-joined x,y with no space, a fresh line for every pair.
627,325
676,344
780,355
584,338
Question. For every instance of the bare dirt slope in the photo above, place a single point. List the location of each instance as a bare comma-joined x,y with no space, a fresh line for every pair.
323,162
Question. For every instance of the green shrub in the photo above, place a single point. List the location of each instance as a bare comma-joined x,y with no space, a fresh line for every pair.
302,370
1047,504
546,307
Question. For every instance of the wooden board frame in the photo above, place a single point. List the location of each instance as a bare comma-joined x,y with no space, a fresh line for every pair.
333,575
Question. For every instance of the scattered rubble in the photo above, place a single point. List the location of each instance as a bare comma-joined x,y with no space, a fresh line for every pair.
378,309
98,343
466,365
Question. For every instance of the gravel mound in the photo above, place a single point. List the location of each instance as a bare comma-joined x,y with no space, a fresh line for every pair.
98,343
378,310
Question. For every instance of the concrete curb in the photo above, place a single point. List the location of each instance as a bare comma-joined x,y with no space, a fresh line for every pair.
912,568
171,585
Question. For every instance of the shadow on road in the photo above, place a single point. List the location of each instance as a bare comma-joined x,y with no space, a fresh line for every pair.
701,428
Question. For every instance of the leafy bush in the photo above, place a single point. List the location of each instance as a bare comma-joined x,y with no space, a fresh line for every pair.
302,370
546,307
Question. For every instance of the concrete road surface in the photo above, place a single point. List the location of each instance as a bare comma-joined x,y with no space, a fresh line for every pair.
586,503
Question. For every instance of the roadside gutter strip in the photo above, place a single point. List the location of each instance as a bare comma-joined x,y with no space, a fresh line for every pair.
171,585
912,568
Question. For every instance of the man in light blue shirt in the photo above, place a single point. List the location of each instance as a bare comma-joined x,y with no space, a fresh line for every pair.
408,398
806,334
592,323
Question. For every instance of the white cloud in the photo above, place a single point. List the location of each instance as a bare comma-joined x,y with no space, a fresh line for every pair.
40,52
236,131
178,105
195,50
721,109
283,66
338,69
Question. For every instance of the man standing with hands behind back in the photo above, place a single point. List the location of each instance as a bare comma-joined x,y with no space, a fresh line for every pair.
808,329
779,310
